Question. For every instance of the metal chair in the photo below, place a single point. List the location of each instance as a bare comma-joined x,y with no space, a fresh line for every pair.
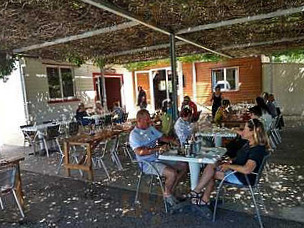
73,129
113,152
29,136
7,184
98,155
152,176
254,189
52,134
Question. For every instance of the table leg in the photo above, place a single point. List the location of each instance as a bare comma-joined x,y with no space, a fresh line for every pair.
67,158
89,162
194,173
217,140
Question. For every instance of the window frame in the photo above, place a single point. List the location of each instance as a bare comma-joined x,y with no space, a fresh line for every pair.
62,98
237,79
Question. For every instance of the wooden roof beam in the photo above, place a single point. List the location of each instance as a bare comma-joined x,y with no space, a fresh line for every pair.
102,4
242,20
77,37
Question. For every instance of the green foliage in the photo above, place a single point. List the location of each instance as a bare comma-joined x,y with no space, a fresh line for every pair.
200,58
7,64
185,59
99,62
289,56
142,65
75,59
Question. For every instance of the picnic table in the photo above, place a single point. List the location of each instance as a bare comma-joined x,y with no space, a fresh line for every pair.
89,141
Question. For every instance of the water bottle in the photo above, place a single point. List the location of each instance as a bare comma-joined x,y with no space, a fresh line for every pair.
187,149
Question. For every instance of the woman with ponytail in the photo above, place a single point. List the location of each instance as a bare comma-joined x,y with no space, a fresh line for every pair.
248,160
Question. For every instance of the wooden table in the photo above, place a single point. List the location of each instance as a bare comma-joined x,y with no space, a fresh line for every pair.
233,123
90,142
15,161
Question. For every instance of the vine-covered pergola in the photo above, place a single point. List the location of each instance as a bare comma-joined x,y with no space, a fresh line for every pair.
123,31
100,29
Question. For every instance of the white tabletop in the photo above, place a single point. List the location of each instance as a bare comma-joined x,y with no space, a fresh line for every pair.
39,127
206,155
222,132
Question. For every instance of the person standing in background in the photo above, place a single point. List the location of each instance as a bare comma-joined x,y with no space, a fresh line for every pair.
142,98
216,100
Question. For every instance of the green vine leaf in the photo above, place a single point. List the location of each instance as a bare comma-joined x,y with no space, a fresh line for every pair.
75,59
7,64
289,56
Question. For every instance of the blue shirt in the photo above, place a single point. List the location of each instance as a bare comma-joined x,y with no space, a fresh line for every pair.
183,130
144,138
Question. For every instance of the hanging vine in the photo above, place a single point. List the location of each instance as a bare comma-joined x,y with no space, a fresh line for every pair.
7,64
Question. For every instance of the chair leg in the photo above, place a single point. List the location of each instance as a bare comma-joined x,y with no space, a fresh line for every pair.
18,203
163,191
1,204
60,163
138,187
105,168
256,206
151,184
77,161
46,148
216,200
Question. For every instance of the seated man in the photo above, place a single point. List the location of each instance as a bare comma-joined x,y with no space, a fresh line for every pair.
80,113
118,113
182,126
187,103
98,108
143,140
221,113
166,121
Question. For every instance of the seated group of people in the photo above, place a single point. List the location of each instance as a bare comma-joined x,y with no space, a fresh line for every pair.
144,140
81,112
265,109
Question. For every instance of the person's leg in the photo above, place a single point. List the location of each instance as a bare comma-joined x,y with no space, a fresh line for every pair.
170,175
210,186
182,169
208,174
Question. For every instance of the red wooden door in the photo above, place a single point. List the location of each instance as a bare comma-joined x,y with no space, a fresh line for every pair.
113,86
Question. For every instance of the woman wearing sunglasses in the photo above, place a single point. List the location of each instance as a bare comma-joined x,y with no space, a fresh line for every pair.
248,160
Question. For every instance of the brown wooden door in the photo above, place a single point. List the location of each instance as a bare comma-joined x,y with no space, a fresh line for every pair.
113,86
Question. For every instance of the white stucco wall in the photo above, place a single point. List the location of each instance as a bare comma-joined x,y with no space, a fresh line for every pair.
37,91
12,114
286,82
127,89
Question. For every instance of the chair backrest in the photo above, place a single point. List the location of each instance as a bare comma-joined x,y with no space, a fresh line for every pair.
53,131
277,121
7,177
47,121
28,125
73,128
125,117
108,120
260,171
115,144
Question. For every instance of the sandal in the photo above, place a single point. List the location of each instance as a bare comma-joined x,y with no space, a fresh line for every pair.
192,195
